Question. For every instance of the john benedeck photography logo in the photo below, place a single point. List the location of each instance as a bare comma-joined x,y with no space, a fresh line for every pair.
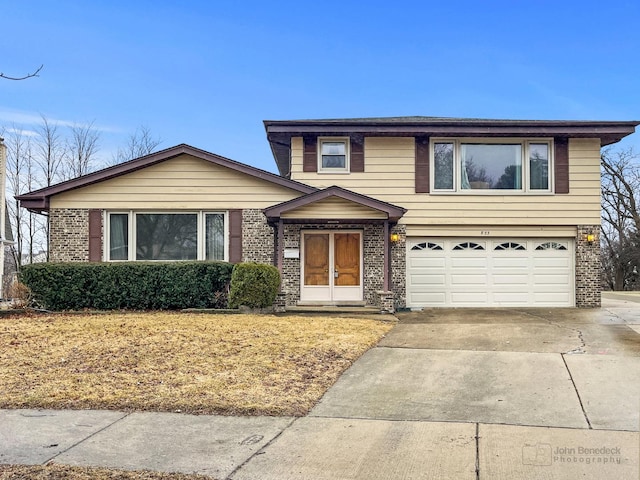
545,454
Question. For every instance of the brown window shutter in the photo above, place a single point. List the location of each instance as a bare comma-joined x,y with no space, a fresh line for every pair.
422,164
357,153
561,165
95,235
310,154
235,236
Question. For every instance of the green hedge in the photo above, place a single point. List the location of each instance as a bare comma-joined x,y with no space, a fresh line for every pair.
253,285
128,285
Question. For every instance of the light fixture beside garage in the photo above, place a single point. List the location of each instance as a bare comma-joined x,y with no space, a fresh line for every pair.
394,237
591,238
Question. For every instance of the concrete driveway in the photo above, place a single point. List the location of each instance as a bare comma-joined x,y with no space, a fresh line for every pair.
537,385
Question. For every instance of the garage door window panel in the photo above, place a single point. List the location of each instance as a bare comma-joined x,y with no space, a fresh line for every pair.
551,246
510,246
468,246
427,246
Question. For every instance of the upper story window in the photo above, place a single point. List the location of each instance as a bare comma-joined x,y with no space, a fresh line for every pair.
166,236
333,155
469,166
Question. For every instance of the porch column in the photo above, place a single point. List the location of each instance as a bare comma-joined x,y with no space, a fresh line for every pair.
280,245
387,248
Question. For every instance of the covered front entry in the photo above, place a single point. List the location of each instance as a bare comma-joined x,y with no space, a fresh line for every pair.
331,266
321,241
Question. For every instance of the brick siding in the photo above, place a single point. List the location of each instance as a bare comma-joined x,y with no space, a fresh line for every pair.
588,267
399,267
257,238
69,235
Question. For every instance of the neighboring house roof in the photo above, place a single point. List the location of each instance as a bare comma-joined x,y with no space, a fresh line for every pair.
38,200
279,132
393,212
8,231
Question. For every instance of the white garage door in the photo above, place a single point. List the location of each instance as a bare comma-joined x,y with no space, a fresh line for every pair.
470,272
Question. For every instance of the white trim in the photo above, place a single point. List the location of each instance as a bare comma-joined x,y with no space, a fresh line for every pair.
347,155
131,237
329,293
524,142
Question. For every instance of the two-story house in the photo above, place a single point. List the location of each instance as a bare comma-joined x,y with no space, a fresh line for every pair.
405,212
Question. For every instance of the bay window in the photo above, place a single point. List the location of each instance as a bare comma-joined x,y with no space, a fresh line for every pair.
158,236
469,166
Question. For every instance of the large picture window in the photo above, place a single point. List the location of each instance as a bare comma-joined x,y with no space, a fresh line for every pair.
511,166
152,236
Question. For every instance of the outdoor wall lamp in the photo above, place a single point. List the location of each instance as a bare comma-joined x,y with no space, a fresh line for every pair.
591,238
394,237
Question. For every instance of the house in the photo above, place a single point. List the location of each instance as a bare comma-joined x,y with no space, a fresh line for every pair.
6,235
404,212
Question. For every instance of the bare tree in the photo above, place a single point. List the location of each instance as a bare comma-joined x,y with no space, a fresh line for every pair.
21,178
28,75
81,149
51,152
620,199
139,144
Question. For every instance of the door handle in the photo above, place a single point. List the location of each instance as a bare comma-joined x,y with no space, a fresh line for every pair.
335,274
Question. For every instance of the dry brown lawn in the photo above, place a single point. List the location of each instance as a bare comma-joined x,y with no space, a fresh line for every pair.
177,362
61,472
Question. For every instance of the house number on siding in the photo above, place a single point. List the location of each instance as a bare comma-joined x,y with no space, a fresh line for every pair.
485,232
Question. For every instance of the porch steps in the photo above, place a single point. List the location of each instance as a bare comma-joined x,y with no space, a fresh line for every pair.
333,309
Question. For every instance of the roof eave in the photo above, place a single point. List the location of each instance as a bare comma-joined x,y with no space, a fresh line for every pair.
39,200
393,212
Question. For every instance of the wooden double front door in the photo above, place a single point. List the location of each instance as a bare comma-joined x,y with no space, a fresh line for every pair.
331,266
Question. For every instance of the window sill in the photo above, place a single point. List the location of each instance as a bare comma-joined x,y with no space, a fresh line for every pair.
496,193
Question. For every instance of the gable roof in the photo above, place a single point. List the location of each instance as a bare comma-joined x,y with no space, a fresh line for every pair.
279,132
393,212
39,200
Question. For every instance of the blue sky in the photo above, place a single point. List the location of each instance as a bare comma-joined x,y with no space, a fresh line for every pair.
207,73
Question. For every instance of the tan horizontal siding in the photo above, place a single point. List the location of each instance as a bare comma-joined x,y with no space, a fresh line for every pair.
389,176
335,208
491,232
183,182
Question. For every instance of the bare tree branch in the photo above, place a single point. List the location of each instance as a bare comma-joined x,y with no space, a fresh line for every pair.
139,144
620,201
81,151
28,75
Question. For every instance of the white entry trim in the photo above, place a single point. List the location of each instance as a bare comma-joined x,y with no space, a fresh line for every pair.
330,293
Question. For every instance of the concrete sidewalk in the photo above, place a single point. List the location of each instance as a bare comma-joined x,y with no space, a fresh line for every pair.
314,447
509,394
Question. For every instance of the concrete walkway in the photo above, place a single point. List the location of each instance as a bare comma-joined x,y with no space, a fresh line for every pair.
448,394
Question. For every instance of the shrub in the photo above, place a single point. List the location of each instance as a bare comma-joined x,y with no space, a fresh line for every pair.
253,285
127,285
20,295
